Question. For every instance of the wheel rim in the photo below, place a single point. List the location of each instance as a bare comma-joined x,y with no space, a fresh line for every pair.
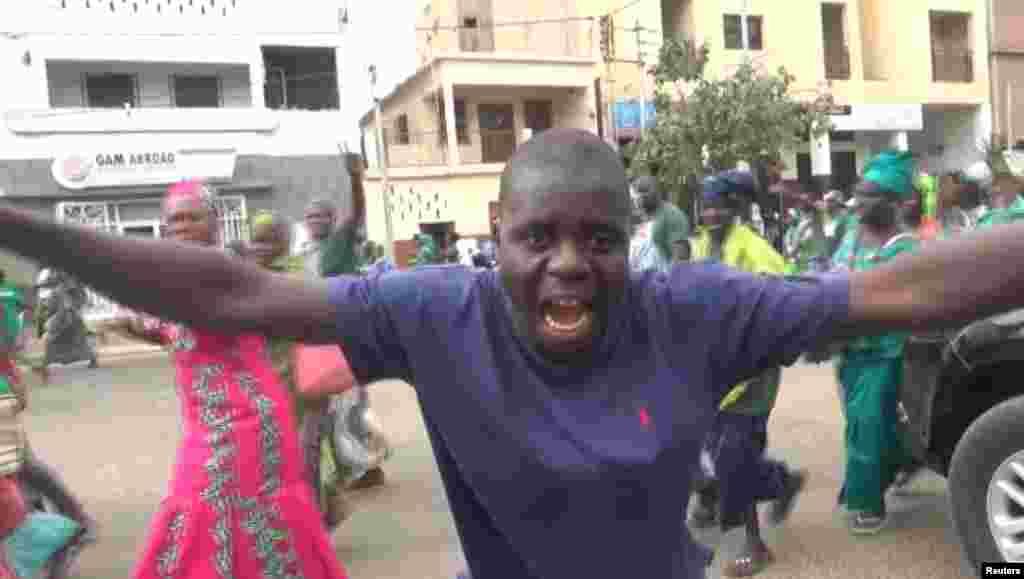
1005,507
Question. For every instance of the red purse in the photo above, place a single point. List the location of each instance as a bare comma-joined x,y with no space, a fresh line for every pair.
321,371
13,509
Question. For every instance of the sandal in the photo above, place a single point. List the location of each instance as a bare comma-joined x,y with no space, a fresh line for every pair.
863,524
749,565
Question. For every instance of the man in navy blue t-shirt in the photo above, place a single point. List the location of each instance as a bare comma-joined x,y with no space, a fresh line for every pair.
566,398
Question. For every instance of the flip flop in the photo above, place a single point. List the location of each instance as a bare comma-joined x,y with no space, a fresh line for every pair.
750,565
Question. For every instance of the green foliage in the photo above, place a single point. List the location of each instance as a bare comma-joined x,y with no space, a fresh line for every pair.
747,116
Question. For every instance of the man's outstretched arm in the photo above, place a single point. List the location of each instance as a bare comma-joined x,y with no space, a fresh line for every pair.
945,284
195,285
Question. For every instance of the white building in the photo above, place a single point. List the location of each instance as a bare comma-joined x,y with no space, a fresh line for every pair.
105,102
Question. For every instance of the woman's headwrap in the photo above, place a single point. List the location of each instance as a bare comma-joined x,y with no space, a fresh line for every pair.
194,190
890,175
200,194
734,186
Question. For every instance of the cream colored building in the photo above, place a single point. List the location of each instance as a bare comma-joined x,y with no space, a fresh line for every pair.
910,74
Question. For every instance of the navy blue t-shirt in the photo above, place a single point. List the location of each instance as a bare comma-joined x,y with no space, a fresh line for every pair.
556,472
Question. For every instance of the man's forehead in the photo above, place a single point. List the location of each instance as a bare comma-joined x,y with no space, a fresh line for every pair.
583,205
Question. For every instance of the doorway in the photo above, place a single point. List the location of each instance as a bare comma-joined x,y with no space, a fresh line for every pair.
497,132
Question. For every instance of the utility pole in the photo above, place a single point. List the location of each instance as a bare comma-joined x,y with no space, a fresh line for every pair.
382,161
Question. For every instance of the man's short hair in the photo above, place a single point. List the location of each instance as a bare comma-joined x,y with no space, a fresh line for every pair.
325,204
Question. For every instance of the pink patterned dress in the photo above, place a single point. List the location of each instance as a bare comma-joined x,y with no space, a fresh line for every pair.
238,504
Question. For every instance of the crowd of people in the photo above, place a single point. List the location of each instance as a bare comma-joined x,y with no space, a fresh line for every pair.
893,210
572,405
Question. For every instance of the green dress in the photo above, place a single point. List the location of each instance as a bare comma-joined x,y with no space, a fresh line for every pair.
871,372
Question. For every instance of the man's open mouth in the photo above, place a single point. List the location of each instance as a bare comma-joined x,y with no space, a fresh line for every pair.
567,316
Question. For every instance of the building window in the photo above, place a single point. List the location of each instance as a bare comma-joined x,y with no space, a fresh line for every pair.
733,26
837,53
402,130
743,32
461,128
303,78
107,91
952,57
197,92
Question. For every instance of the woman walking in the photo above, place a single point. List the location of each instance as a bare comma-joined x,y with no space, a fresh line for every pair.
871,368
238,503
743,476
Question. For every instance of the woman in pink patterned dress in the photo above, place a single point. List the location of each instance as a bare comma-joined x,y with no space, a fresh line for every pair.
238,505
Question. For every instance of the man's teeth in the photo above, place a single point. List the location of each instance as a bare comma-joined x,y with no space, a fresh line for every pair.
565,327
567,303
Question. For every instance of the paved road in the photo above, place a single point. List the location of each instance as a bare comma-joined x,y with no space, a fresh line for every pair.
113,432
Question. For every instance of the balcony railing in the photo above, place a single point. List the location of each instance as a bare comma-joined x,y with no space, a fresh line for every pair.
430,148
551,39
837,62
952,64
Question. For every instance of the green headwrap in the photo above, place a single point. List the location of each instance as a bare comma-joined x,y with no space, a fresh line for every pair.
264,219
893,173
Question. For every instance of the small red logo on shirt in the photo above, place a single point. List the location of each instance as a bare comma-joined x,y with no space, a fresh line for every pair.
645,417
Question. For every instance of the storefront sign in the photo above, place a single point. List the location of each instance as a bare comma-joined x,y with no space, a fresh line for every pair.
879,118
627,114
143,167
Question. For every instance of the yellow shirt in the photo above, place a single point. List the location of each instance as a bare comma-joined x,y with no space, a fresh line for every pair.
747,251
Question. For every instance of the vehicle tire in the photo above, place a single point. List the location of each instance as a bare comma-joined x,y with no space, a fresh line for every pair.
989,441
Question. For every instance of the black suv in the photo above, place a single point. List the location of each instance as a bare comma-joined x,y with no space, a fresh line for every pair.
964,408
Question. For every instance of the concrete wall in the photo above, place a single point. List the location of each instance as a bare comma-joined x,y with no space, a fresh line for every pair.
460,198
569,38
1008,68
154,81
1007,23
1008,95
889,44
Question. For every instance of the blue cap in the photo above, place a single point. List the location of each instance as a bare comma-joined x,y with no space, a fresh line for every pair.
726,183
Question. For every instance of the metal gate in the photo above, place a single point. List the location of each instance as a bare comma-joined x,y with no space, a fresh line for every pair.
106,216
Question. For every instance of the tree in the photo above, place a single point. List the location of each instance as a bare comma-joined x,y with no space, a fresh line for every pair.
707,125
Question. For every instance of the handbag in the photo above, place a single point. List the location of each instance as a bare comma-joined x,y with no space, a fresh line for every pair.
321,371
13,509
